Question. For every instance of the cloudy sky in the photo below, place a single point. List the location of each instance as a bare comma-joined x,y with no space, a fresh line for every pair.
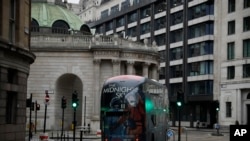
73,1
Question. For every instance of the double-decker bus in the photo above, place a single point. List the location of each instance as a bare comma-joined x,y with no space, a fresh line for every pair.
133,108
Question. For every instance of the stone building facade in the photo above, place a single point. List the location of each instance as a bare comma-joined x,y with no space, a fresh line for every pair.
15,60
69,61
235,62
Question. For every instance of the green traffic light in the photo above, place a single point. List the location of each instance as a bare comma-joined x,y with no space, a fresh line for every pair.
149,105
179,103
74,105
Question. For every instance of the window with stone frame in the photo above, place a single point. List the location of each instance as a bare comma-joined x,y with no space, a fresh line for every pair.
246,23
246,70
231,6
246,3
246,48
228,109
34,26
230,72
230,51
12,76
12,21
60,27
11,107
231,27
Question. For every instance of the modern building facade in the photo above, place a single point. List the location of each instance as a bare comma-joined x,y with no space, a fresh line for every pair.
235,62
15,60
191,38
69,58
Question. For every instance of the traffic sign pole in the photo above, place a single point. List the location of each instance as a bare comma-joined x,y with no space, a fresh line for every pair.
45,113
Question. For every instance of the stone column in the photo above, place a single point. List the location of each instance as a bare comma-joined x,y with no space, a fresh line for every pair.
155,75
130,65
96,109
116,67
239,104
145,69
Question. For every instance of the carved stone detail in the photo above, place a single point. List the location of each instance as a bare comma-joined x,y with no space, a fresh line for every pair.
97,61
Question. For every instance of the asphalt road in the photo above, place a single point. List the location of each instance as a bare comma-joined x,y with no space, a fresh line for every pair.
191,134
194,135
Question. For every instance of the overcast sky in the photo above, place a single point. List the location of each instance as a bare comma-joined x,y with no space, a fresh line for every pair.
73,1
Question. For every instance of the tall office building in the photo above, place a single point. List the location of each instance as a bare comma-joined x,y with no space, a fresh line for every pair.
15,60
191,36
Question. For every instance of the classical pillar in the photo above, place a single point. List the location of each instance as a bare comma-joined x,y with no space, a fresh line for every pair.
155,74
116,67
97,93
145,69
130,66
238,109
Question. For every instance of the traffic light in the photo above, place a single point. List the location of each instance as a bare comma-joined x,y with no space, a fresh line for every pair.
28,102
180,98
149,105
37,106
74,100
32,106
64,103
217,106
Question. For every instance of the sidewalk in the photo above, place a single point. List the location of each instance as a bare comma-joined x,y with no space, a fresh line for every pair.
222,130
56,135
201,134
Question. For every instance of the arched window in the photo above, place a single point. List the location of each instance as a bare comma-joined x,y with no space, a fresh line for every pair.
85,30
34,26
248,96
60,27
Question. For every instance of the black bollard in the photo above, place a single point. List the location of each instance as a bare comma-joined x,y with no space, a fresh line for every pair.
68,136
81,135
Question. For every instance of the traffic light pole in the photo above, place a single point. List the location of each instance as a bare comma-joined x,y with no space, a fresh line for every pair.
179,124
35,116
62,122
45,114
74,125
30,132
